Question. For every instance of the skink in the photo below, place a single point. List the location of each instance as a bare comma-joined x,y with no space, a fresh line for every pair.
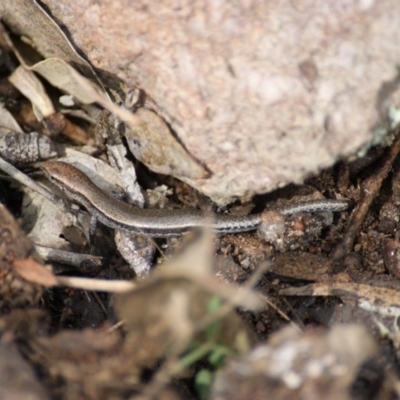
154,222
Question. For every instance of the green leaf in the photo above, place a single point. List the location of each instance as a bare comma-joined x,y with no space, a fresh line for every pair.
203,381
214,304
195,355
218,355
212,330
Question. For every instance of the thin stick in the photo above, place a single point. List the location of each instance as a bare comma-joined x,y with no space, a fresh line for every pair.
101,285
369,191
66,257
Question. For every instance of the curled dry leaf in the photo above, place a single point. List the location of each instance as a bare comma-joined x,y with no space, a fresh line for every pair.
31,87
28,19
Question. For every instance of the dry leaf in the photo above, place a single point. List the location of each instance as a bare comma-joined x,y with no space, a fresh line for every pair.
28,19
46,222
370,298
31,87
101,173
58,73
34,272
7,121
138,251
184,287
152,142
156,147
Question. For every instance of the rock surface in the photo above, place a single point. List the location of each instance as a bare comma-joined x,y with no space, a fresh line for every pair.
261,93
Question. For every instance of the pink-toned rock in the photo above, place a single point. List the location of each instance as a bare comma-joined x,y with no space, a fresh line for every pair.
261,92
